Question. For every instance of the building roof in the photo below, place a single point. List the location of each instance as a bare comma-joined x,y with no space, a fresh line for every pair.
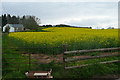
14,25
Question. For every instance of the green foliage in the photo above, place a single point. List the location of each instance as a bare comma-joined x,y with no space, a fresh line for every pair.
4,20
7,29
29,22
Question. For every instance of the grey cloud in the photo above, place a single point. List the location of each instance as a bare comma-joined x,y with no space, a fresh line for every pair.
93,22
50,12
60,0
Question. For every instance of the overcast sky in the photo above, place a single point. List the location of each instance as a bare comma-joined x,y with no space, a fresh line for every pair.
95,14
59,0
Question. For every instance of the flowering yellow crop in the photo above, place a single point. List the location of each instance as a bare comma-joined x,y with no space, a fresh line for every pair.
66,35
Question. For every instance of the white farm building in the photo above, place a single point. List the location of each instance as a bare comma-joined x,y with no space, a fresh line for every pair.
13,27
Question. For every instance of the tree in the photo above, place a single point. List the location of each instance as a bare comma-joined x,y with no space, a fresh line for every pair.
7,29
18,18
14,20
110,28
0,20
9,19
29,22
4,21
37,20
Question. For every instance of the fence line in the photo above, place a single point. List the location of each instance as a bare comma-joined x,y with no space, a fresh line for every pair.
106,62
92,50
91,57
65,52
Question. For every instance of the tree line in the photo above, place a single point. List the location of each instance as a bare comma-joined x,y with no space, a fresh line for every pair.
29,22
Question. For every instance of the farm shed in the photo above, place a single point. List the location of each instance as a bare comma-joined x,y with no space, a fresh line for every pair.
39,74
13,27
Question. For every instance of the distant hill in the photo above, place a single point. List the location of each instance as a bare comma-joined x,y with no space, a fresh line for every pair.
63,25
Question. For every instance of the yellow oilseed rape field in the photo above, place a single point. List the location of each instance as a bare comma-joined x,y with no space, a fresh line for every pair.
76,38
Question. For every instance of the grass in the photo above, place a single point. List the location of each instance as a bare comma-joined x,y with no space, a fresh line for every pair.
91,61
14,63
86,72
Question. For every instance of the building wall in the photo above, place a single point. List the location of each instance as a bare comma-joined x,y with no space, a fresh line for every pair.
12,29
20,29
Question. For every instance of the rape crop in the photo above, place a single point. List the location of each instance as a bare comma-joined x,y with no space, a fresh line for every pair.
76,38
